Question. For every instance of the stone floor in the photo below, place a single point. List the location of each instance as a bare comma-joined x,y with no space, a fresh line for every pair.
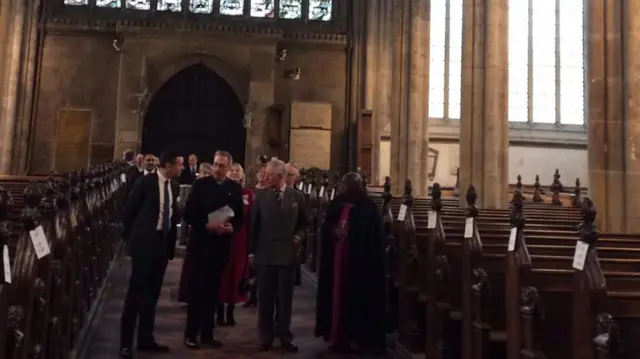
239,342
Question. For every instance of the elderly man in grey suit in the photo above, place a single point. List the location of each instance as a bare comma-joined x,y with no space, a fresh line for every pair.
278,226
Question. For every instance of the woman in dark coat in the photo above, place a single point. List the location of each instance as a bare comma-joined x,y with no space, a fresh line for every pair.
350,307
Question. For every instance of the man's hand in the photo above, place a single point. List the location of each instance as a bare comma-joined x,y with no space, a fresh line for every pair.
215,227
251,260
297,244
227,228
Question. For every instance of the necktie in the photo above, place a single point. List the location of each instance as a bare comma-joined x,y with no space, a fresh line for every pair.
166,209
278,195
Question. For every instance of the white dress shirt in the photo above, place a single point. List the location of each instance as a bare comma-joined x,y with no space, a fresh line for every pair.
161,181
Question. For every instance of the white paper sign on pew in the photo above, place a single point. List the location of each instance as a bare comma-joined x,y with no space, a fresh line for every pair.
512,239
402,213
333,193
123,177
432,218
6,264
580,255
468,228
39,240
321,192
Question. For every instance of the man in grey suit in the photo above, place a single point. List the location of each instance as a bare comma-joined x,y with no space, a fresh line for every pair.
278,226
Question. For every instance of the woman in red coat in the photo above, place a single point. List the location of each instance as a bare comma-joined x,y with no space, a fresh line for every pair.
230,293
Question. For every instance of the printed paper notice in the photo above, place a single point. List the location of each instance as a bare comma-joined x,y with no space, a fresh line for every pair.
221,215
402,212
321,192
333,193
512,239
123,178
6,264
468,228
433,217
39,241
580,256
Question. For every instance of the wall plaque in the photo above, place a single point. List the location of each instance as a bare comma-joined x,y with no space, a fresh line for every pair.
73,138
310,148
311,115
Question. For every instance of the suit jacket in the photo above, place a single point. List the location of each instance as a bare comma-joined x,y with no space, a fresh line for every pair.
187,177
140,215
132,176
273,226
206,196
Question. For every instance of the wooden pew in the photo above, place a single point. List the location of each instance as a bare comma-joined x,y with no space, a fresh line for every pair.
48,304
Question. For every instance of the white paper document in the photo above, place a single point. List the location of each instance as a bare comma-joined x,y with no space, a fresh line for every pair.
39,240
432,218
221,215
6,264
580,255
402,212
468,228
512,239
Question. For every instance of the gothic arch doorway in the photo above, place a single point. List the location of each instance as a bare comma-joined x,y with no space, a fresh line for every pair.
195,111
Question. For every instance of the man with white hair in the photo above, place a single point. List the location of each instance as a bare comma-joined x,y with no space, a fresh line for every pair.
278,227
292,174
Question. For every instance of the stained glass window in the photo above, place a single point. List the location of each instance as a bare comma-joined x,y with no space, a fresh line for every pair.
518,61
138,4
201,6
445,59
571,62
115,4
232,7
170,5
76,2
290,9
262,8
320,10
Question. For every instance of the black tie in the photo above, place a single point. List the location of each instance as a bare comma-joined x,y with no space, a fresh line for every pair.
278,195
166,209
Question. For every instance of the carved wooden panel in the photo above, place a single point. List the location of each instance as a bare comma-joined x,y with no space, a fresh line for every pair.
73,139
365,141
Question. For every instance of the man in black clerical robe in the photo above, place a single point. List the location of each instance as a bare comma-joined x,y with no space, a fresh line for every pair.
208,248
360,311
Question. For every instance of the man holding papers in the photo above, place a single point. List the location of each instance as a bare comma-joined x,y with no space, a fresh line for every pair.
214,210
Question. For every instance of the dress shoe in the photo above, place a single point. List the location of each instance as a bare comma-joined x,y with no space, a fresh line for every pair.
211,343
153,347
289,347
126,353
249,305
263,347
191,343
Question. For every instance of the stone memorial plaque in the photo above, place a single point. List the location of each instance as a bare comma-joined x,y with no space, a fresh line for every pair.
311,115
72,145
310,148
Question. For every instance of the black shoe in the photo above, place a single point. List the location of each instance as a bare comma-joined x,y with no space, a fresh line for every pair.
126,353
289,347
191,343
220,316
231,320
153,347
211,343
249,305
265,347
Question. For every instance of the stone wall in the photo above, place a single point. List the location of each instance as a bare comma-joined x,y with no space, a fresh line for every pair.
82,70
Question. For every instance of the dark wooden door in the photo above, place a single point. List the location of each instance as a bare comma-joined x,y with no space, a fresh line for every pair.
196,111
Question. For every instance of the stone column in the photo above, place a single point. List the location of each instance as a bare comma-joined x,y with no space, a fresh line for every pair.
484,130
614,113
371,79
384,69
13,41
409,132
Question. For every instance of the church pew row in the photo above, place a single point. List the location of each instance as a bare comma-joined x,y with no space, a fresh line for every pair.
465,285
46,301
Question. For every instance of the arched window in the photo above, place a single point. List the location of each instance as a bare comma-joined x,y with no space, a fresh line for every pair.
445,63
546,61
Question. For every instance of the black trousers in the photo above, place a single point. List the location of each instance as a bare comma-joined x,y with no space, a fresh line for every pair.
148,266
210,260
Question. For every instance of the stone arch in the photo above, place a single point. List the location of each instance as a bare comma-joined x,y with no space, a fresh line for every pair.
161,71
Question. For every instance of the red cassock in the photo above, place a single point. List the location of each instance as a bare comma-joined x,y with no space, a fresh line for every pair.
236,268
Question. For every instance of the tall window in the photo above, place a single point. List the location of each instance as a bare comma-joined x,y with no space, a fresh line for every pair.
445,63
546,61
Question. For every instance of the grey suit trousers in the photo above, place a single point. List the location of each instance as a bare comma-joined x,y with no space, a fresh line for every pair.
275,282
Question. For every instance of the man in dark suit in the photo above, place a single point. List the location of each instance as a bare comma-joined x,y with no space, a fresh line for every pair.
278,226
189,173
208,247
135,171
149,217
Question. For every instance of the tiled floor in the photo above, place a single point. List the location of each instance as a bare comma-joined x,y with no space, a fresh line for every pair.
239,342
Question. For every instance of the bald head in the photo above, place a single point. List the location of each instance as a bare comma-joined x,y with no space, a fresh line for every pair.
352,185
